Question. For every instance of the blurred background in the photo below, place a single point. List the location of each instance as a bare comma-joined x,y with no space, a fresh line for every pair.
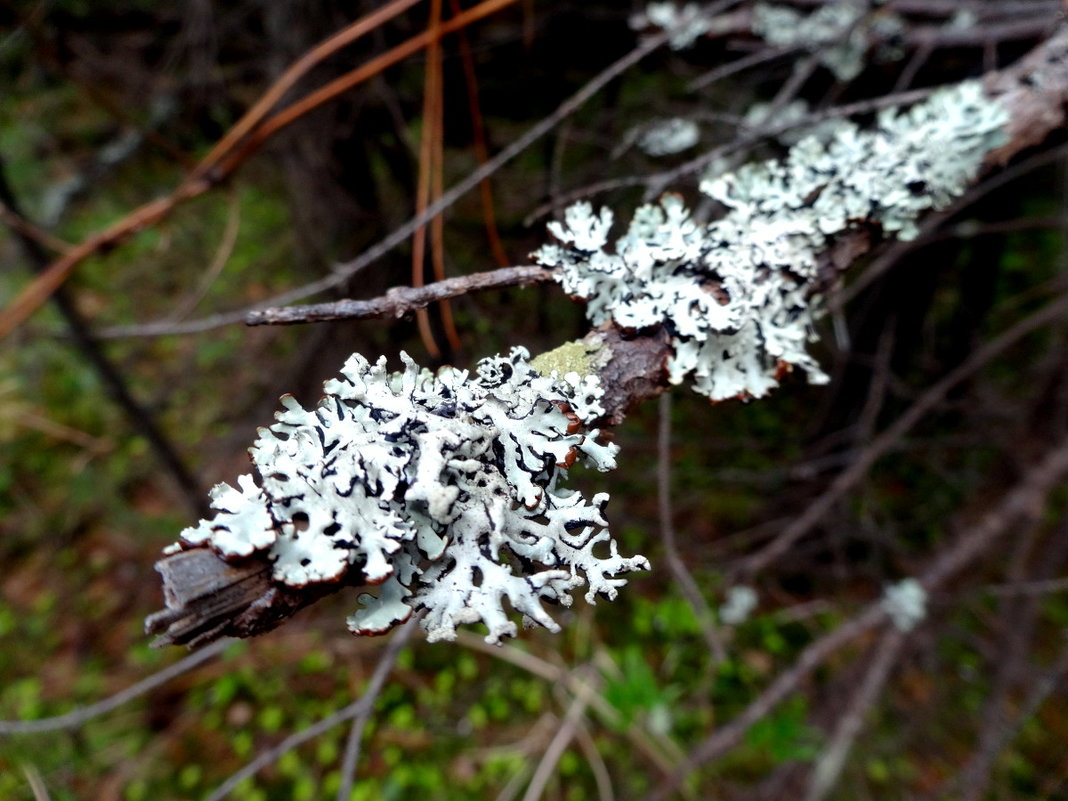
132,391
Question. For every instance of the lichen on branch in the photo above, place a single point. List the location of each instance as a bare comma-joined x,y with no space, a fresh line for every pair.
446,491
738,294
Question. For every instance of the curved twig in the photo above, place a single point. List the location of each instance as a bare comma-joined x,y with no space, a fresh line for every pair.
79,717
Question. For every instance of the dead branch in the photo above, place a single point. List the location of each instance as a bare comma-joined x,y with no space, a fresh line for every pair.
401,301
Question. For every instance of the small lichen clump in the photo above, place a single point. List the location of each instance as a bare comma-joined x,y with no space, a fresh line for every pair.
444,490
834,31
737,294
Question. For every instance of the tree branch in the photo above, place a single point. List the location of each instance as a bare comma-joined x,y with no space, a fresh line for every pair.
401,301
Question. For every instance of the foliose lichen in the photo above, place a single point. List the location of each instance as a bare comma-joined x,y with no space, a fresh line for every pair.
685,23
838,32
905,603
737,294
446,491
739,605
834,31
668,136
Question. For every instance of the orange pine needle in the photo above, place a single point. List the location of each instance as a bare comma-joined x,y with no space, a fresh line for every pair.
213,168
432,102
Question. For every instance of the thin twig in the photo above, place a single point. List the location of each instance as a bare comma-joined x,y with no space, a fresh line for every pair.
738,65
563,737
667,532
343,272
829,767
374,687
400,301
218,262
601,777
1026,500
79,717
661,751
221,161
37,785
118,388
352,746
926,403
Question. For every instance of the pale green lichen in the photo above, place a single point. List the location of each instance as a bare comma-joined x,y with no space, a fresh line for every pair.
834,31
905,603
446,491
571,357
762,257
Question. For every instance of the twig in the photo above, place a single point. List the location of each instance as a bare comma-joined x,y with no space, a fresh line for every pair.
1040,691
139,417
352,746
1024,501
213,168
19,224
563,737
659,750
367,700
399,301
667,532
738,65
829,767
218,262
1029,587
37,785
848,478
601,777
343,272
78,717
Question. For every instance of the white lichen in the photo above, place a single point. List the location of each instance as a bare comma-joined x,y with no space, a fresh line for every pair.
666,137
739,605
834,31
737,294
905,603
792,114
684,23
444,490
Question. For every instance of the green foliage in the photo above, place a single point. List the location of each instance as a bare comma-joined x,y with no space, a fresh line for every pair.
784,735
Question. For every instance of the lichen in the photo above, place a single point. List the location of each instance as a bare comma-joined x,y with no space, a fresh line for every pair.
571,357
685,23
739,605
833,31
905,603
737,294
665,137
444,490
